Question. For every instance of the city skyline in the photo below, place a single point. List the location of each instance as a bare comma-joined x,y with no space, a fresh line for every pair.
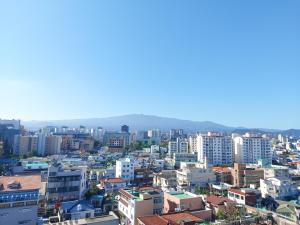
233,63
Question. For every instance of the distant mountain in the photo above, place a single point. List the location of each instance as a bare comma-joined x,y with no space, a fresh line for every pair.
145,122
134,121
290,132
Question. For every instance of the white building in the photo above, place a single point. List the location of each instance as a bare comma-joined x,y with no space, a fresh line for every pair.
183,157
172,147
125,169
278,189
250,148
217,148
193,175
193,144
181,145
65,183
154,149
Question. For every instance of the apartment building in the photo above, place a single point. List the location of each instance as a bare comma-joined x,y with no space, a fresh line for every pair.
140,202
193,175
125,169
24,145
19,197
250,148
65,183
172,147
193,144
180,145
244,175
116,141
216,148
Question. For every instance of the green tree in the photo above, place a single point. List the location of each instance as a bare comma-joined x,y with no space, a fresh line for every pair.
221,215
93,190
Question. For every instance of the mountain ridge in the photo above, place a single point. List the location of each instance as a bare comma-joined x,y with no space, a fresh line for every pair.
145,122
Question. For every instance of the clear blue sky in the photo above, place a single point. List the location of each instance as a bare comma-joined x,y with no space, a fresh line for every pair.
232,62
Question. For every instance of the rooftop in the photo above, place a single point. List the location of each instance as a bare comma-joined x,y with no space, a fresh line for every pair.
169,219
181,195
25,183
218,200
113,180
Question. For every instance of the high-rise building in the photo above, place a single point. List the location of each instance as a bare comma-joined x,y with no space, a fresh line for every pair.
7,134
251,147
15,124
154,136
172,147
116,141
125,128
176,133
180,145
24,145
216,148
193,144
53,145
1,147
183,145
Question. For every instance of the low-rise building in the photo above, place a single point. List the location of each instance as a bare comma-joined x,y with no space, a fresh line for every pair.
245,196
182,218
111,219
65,183
19,196
143,176
193,175
112,185
183,157
125,169
278,189
166,180
181,201
79,209
217,203
280,172
244,175
223,175
140,202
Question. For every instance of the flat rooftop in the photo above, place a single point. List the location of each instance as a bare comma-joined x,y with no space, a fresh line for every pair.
180,195
30,182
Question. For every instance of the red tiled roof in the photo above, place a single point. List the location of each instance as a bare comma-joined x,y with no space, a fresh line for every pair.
113,180
169,219
217,200
153,219
221,169
239,192
182,216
